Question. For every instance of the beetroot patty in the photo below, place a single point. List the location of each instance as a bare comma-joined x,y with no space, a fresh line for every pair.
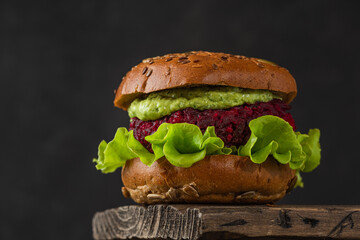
231,125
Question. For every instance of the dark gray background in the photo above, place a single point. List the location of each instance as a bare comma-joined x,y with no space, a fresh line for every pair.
60,63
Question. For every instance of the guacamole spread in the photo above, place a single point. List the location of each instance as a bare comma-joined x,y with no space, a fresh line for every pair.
162,103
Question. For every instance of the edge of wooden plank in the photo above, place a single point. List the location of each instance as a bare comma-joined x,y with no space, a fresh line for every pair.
187,221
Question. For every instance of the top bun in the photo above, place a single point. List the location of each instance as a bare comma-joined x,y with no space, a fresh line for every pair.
204,68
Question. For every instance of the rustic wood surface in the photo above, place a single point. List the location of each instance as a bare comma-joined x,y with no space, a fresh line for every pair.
228,222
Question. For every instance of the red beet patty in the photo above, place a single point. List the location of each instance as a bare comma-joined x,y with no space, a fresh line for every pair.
231,125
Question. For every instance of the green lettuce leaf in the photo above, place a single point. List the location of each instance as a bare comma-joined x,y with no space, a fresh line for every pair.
183,144
114,154
299,182
311,147
274,136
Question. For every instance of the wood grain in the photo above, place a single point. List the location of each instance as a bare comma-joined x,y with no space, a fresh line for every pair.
227,222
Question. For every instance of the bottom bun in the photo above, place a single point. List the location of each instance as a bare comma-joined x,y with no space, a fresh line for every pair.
228,179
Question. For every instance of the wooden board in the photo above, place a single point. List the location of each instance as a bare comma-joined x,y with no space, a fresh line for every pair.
228,222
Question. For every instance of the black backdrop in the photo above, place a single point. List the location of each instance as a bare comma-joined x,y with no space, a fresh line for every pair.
60,62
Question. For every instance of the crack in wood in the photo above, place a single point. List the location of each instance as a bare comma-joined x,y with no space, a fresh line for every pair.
284,219
345,222
311,221
238,222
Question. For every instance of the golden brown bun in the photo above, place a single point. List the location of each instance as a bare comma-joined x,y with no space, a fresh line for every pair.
203,68
215,179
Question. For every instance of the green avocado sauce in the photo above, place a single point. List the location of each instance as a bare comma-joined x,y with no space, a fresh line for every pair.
163,103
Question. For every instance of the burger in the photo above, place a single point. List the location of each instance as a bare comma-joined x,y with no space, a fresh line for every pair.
208,128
